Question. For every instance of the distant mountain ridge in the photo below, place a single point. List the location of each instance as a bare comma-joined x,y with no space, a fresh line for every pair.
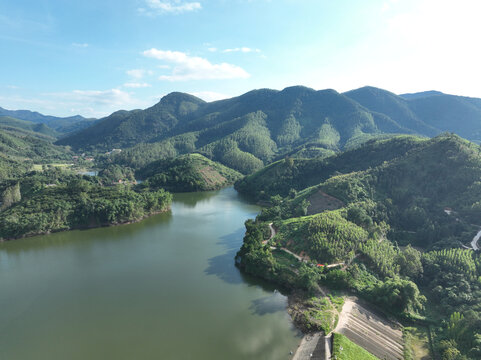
427,113
60,124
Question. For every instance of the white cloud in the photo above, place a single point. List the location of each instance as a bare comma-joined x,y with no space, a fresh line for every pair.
97,97
210,95
80,45
242,49
94,103
212,49
169,7
139,73
195,68
136,85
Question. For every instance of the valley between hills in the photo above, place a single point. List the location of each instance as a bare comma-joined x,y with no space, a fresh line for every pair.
370,199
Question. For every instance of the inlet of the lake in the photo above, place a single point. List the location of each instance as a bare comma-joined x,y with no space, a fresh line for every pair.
163,288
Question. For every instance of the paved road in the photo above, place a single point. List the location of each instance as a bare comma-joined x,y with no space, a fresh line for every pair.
474,243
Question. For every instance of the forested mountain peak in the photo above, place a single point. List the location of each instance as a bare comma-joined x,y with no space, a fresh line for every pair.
178,99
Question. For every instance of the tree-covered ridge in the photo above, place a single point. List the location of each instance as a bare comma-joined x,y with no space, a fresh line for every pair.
191,172
53,200
428,113
291,173
128,128
396,241
411,192
8,123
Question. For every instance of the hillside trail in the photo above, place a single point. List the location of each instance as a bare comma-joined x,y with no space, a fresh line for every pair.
273,233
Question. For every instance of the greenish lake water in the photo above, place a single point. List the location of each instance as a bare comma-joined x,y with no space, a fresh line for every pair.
164,288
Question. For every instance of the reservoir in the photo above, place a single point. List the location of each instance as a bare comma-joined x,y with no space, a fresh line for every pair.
163,288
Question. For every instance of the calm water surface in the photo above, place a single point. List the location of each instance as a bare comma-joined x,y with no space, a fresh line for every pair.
165,288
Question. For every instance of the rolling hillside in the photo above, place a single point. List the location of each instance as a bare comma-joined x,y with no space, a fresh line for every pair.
191,172
36,129
20,147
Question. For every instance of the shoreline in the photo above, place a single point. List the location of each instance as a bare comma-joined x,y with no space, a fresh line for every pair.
88,227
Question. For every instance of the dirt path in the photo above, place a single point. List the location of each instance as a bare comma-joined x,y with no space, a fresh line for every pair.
273,233
343,316
300,258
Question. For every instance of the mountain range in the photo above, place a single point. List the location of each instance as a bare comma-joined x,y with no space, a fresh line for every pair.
60,125
251,130
261,126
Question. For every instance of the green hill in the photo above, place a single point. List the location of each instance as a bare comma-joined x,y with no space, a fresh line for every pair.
128,128
410,179
450,113
427,113
192,172
12,124
393,106
20,148
18,144
282,176
394,233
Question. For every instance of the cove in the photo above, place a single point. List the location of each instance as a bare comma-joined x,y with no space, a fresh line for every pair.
164,288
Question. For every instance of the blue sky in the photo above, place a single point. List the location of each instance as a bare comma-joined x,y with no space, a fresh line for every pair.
66,57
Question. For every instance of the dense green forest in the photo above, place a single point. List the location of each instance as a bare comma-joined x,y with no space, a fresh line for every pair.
56,200
21,148
192,172
280,177
400,231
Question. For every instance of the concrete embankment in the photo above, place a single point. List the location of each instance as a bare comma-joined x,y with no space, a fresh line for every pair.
377,335
312,347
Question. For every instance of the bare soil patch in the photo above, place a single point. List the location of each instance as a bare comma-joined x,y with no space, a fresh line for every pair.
212,177
320,201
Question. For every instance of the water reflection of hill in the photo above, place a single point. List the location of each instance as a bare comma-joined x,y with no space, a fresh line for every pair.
193,198
108,234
